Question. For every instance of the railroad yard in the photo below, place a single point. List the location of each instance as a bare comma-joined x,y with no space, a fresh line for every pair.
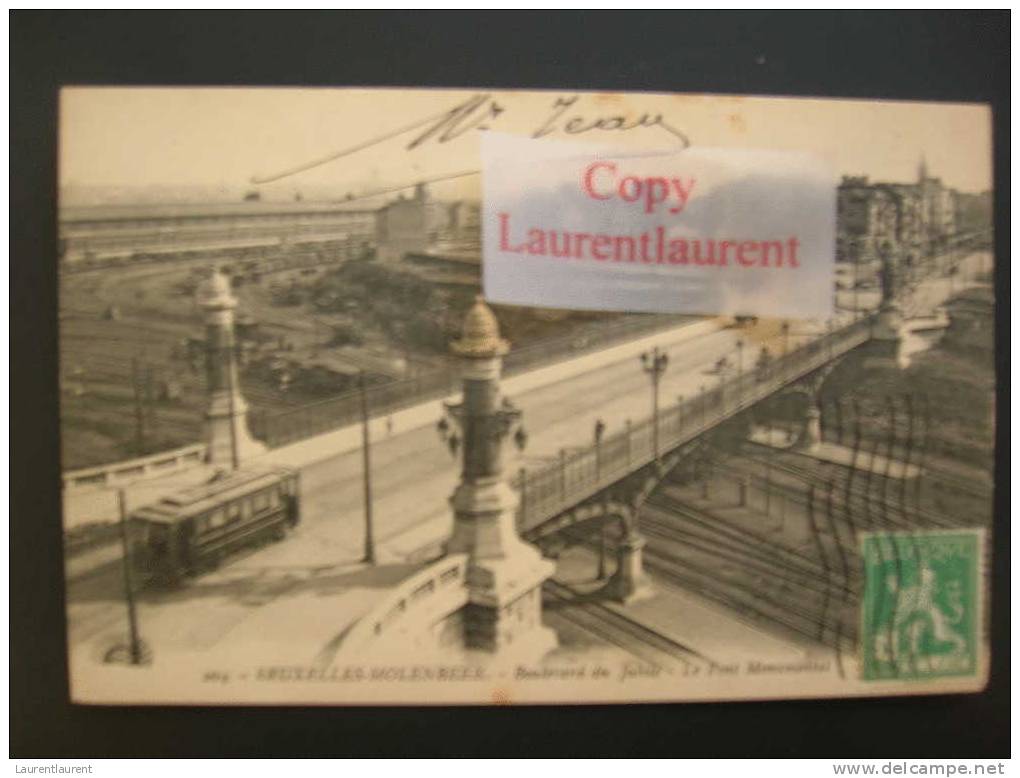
769,533
132,365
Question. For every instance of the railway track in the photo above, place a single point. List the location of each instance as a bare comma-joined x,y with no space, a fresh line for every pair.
757,579
613,627
890,511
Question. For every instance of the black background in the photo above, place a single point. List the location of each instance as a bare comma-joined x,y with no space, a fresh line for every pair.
932,56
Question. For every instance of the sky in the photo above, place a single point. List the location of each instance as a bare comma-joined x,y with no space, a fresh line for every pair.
223,137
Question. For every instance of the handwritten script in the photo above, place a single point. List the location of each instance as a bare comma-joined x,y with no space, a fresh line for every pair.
481,111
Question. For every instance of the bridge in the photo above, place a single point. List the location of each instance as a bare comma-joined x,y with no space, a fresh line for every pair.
607,481
579,475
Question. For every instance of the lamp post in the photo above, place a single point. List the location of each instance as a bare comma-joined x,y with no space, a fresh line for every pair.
703,403
857,269
654,364
785,328
366,445
136,651
600,429
740,371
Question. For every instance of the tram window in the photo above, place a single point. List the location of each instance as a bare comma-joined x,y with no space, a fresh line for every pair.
159,538
274,498
140,532
217,518
202,523
260,501
233,512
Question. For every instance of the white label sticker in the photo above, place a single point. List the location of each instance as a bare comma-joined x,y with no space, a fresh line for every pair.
709,231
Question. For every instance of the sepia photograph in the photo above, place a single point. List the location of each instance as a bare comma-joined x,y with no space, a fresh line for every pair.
419,396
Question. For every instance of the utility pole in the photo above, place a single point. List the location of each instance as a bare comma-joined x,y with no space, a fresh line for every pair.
703,403
768,474
600,429
857,266
367,466
150,398
235,460
654,364
136,383
134,645
740,371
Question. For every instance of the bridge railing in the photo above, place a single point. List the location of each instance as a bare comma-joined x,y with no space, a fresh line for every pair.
582,473
417,602
121,473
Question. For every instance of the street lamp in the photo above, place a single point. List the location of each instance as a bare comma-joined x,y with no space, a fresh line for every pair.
785,328
366,444
654,364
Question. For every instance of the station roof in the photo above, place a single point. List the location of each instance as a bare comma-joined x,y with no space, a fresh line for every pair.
154,211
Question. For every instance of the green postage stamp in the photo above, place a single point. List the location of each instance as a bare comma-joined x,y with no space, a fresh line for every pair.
921,608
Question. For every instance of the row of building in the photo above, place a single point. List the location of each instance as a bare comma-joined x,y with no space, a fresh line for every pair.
909,223
110,234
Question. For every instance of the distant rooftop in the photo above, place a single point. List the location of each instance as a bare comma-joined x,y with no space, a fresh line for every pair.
202,210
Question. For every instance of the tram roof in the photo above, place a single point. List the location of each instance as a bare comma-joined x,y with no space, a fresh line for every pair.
221,488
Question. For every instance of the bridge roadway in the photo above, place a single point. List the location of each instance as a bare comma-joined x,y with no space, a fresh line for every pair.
413,475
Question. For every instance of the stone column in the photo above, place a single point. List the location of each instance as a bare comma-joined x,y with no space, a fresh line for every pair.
505,574
226,422
629,582
890,318
812,435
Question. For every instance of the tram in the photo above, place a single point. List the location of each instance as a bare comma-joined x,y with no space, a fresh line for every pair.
196,528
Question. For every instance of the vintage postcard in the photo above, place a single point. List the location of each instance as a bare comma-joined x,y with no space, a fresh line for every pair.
416,396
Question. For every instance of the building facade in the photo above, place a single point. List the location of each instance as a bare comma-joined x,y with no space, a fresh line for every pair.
909,223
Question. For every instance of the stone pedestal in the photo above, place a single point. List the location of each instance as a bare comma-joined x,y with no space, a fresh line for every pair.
812,434
629,582
505,574
226,420
885,349
742,488
889,323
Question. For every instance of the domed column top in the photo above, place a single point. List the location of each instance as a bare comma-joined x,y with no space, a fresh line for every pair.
480,337
214,293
